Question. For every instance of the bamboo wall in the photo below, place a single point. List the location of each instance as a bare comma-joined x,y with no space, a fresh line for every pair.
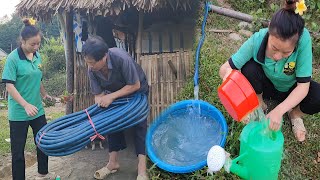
82,95
165,82
168,37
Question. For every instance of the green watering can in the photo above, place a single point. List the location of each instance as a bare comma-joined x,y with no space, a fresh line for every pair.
260,153
260,148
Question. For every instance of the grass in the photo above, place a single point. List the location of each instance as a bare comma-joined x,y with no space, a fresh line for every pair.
5,133
299,158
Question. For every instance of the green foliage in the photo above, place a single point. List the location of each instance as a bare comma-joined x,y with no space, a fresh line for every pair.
247,6
316,50
2,86
52,53
56,85
50,29
54,66
49,102
2,63
10,32
3,104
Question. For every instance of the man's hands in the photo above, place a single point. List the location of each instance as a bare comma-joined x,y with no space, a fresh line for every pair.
105,101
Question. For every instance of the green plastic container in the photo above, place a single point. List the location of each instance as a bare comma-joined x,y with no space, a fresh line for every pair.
260,152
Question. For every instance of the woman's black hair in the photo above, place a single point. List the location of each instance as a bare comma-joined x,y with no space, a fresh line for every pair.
285,23
95,48
28,31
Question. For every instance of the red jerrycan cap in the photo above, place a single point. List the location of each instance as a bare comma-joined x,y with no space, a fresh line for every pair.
238,96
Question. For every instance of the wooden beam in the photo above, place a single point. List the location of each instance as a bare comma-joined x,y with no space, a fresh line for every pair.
173,68
234,14
63,30
139,37
221,31
70,59
244,17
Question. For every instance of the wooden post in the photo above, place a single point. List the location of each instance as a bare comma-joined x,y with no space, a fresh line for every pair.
70,59
234,14
139,37
244,17
62,21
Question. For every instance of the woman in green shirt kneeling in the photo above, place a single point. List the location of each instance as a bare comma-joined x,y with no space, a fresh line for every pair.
277,61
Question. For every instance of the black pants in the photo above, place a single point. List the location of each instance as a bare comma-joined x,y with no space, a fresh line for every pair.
117,140
18,136
261,84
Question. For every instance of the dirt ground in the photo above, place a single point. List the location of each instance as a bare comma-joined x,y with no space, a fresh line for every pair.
81,165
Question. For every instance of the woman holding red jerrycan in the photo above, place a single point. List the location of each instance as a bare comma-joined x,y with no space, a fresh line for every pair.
277,61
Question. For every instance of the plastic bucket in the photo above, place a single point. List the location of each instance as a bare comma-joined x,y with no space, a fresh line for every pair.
238,96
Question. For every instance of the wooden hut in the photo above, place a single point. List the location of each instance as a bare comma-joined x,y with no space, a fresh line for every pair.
159,34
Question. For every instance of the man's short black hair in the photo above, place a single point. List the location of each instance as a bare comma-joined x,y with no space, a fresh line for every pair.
95,48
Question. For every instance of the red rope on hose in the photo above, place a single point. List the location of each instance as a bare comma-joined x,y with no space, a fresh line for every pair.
97,134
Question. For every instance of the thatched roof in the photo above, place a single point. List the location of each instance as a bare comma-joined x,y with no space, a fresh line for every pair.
44,9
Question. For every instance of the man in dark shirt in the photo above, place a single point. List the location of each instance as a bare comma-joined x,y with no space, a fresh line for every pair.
113,73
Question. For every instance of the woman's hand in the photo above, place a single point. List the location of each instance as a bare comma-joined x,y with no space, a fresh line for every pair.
275,117
228,72
225,71
30,109
48,97
105,100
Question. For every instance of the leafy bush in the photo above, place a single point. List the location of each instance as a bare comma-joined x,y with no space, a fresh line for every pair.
2,62
54,66
49,102
52,53
2,86
56,85
3,104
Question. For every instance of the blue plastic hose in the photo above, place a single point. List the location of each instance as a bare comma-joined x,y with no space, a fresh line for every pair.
71,133
203,36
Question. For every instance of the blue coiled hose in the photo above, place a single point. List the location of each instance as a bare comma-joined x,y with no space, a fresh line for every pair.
70,133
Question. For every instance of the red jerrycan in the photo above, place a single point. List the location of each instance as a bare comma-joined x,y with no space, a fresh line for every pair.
238,96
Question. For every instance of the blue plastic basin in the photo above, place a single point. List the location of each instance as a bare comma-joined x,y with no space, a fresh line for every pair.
179,107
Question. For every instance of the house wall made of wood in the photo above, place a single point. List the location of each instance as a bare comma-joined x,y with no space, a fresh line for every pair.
166,58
